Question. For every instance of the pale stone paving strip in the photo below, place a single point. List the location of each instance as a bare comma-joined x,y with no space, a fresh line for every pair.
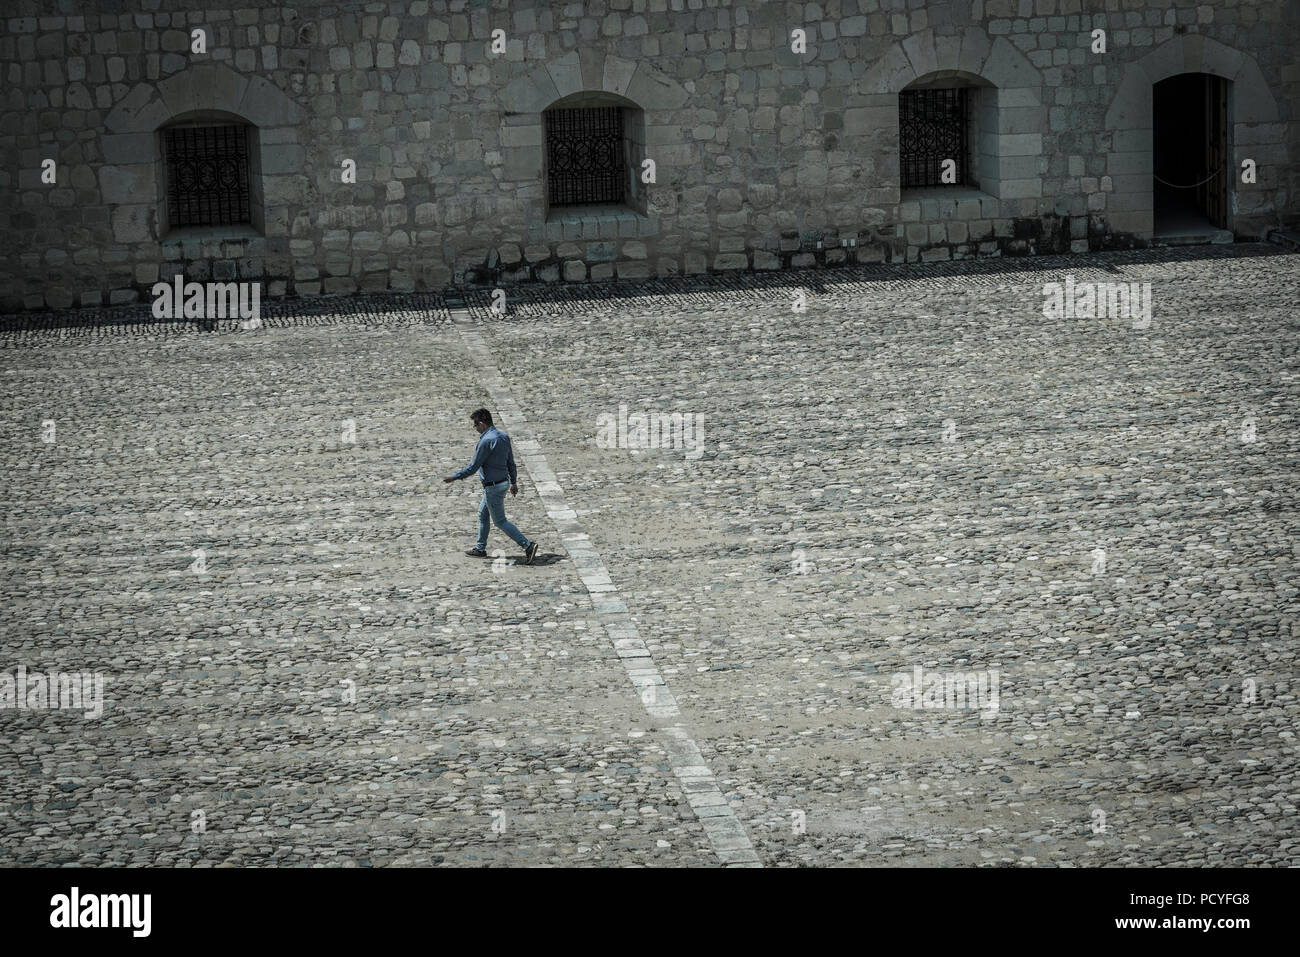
724,830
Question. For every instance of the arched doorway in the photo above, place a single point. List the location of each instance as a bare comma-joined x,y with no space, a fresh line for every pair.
1251,116
1191,158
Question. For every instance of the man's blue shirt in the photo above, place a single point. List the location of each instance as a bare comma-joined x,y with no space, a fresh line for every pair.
494,456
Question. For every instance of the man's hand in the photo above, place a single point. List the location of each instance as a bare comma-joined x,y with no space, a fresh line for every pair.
514,489
449,479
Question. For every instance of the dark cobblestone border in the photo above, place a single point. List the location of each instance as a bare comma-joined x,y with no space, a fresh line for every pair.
383,309
548,301
534,301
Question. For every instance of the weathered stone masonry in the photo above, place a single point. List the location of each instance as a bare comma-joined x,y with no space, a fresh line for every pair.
764,157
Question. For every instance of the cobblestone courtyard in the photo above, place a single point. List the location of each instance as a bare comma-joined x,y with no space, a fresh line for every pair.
917,471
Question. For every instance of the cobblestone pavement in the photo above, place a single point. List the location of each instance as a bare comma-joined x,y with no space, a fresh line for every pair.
918,471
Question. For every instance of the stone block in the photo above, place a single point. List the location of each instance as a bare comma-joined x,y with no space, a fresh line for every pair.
920,51
1132,183
1130,108
528,134
1019,97
367,241
1252,97
617,74
283,158
127,183
601,252
531,93
339,286
566,74
633,270
127,148
870,121
57,297
975,46
1019,167
178,92
131,223
522,164
125,116
1129,163
409,53
264,104
1021,144
1138,222
1020,119
652,90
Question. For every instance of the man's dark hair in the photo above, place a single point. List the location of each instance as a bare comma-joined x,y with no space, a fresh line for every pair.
481,415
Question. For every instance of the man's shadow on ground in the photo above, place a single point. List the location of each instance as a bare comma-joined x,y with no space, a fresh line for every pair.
538,559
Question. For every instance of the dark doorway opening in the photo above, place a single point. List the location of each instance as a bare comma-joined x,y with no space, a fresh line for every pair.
1190,143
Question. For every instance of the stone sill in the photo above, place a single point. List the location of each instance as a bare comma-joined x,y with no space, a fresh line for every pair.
210,234
943,192
598,222
933,203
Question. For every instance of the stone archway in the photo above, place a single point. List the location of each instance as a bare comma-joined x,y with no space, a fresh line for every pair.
1252,112
637,83
591,70
129,177
1011,169
526,97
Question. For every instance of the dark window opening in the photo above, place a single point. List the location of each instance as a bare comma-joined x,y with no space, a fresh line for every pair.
932,127
586,158
207,175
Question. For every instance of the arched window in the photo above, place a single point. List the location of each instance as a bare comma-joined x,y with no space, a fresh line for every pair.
209,172
947,126
595,143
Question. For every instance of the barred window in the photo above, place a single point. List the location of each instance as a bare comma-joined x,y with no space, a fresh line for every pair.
586,156
207,175
932,127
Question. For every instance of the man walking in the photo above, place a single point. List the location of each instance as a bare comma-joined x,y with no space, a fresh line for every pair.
496,459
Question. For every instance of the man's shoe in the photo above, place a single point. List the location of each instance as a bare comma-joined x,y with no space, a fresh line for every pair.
475,553
530,552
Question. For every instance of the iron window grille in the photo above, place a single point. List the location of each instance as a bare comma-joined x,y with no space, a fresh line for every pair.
207,175
586,161
932,127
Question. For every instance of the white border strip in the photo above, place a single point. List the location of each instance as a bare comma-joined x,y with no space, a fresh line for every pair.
726,833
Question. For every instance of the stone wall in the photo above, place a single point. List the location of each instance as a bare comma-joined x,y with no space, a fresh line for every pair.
764,157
